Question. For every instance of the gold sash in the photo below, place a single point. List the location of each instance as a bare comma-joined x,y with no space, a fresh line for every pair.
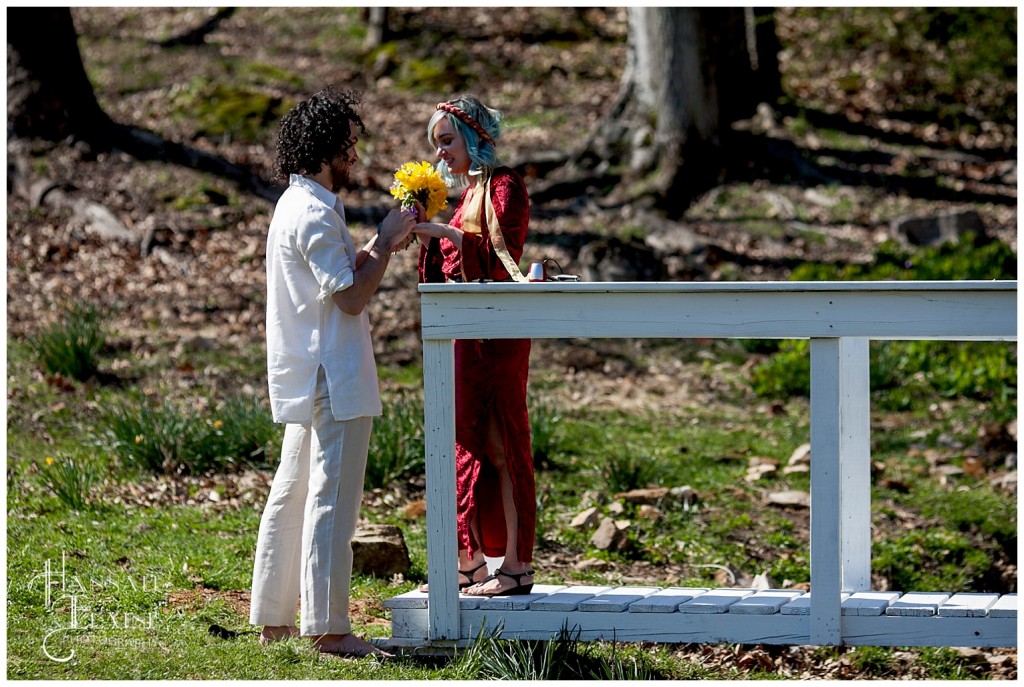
471,225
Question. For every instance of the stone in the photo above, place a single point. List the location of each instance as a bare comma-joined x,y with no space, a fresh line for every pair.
639,496
585,519
609,537
648,512
615,259
759,471
938,229
763,581
796,499
593,564
801,455
379,550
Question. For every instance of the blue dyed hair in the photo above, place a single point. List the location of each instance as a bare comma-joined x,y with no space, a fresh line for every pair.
482,154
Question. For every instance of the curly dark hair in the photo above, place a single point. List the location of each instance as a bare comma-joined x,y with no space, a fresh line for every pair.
315,131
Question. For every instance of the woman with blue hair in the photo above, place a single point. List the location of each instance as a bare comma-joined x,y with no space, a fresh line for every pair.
495,488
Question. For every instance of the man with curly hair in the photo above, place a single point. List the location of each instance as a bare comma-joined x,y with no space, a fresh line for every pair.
322,377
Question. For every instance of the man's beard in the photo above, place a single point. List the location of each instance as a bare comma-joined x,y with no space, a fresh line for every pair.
340,175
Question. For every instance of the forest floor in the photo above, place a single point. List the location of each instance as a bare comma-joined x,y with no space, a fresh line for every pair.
194,278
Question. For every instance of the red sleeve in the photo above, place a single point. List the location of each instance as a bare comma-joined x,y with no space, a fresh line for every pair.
430,261
512,208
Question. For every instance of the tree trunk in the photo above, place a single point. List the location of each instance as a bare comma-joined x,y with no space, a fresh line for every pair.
690,73
49,95
377,32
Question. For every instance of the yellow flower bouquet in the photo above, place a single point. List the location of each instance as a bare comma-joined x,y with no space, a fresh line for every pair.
419,181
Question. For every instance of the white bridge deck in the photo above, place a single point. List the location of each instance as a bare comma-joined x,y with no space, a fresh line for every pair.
681,615
839,319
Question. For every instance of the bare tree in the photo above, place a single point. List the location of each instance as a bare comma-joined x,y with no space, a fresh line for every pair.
49,95
690,73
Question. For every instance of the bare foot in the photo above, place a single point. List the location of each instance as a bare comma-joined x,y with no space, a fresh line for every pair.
347,646
274,633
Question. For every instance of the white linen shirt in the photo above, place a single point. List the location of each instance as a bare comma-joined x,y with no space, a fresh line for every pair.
310,256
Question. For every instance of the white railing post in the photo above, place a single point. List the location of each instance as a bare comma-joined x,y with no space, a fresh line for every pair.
840,480
855,463
439,440
826,552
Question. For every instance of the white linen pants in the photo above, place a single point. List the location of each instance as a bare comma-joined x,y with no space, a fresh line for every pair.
304,547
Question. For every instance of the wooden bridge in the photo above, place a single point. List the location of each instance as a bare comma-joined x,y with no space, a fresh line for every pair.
839,319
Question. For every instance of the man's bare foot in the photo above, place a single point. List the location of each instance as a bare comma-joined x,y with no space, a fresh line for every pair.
347,646
274,633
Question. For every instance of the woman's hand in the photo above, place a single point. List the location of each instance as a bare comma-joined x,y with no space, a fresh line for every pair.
441,231
421,212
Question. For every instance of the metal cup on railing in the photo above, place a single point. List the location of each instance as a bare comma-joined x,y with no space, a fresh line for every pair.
537,272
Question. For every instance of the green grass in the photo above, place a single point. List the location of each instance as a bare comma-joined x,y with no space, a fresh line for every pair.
198,555
71,346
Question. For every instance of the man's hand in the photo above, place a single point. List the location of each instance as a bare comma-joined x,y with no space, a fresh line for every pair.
395,230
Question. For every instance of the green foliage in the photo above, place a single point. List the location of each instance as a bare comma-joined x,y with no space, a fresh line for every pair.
969,510
785,374
71,346
907,370
70,478
169,440
545,422
435,73
628,468
396,444
970,258
233,112
563,658
930,560
903,373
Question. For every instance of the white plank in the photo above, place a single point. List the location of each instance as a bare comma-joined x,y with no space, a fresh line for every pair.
665,601
439,440
920,604
801,605
869,603
826,490
714,601
967,605
640,627
567,599
878,310
1006,607
909,631
515,603
410,626
616,600
765,602
413,599
855,464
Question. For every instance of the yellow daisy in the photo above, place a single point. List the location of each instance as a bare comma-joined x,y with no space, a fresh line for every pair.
419,181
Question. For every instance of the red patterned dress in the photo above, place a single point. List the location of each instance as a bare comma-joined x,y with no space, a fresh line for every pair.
490,379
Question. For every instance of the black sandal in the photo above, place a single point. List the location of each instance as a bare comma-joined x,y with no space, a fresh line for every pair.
462,585
469,576
518,590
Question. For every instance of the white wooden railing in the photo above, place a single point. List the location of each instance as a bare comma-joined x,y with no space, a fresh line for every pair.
839,319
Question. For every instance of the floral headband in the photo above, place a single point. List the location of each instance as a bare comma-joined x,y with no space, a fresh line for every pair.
461,114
